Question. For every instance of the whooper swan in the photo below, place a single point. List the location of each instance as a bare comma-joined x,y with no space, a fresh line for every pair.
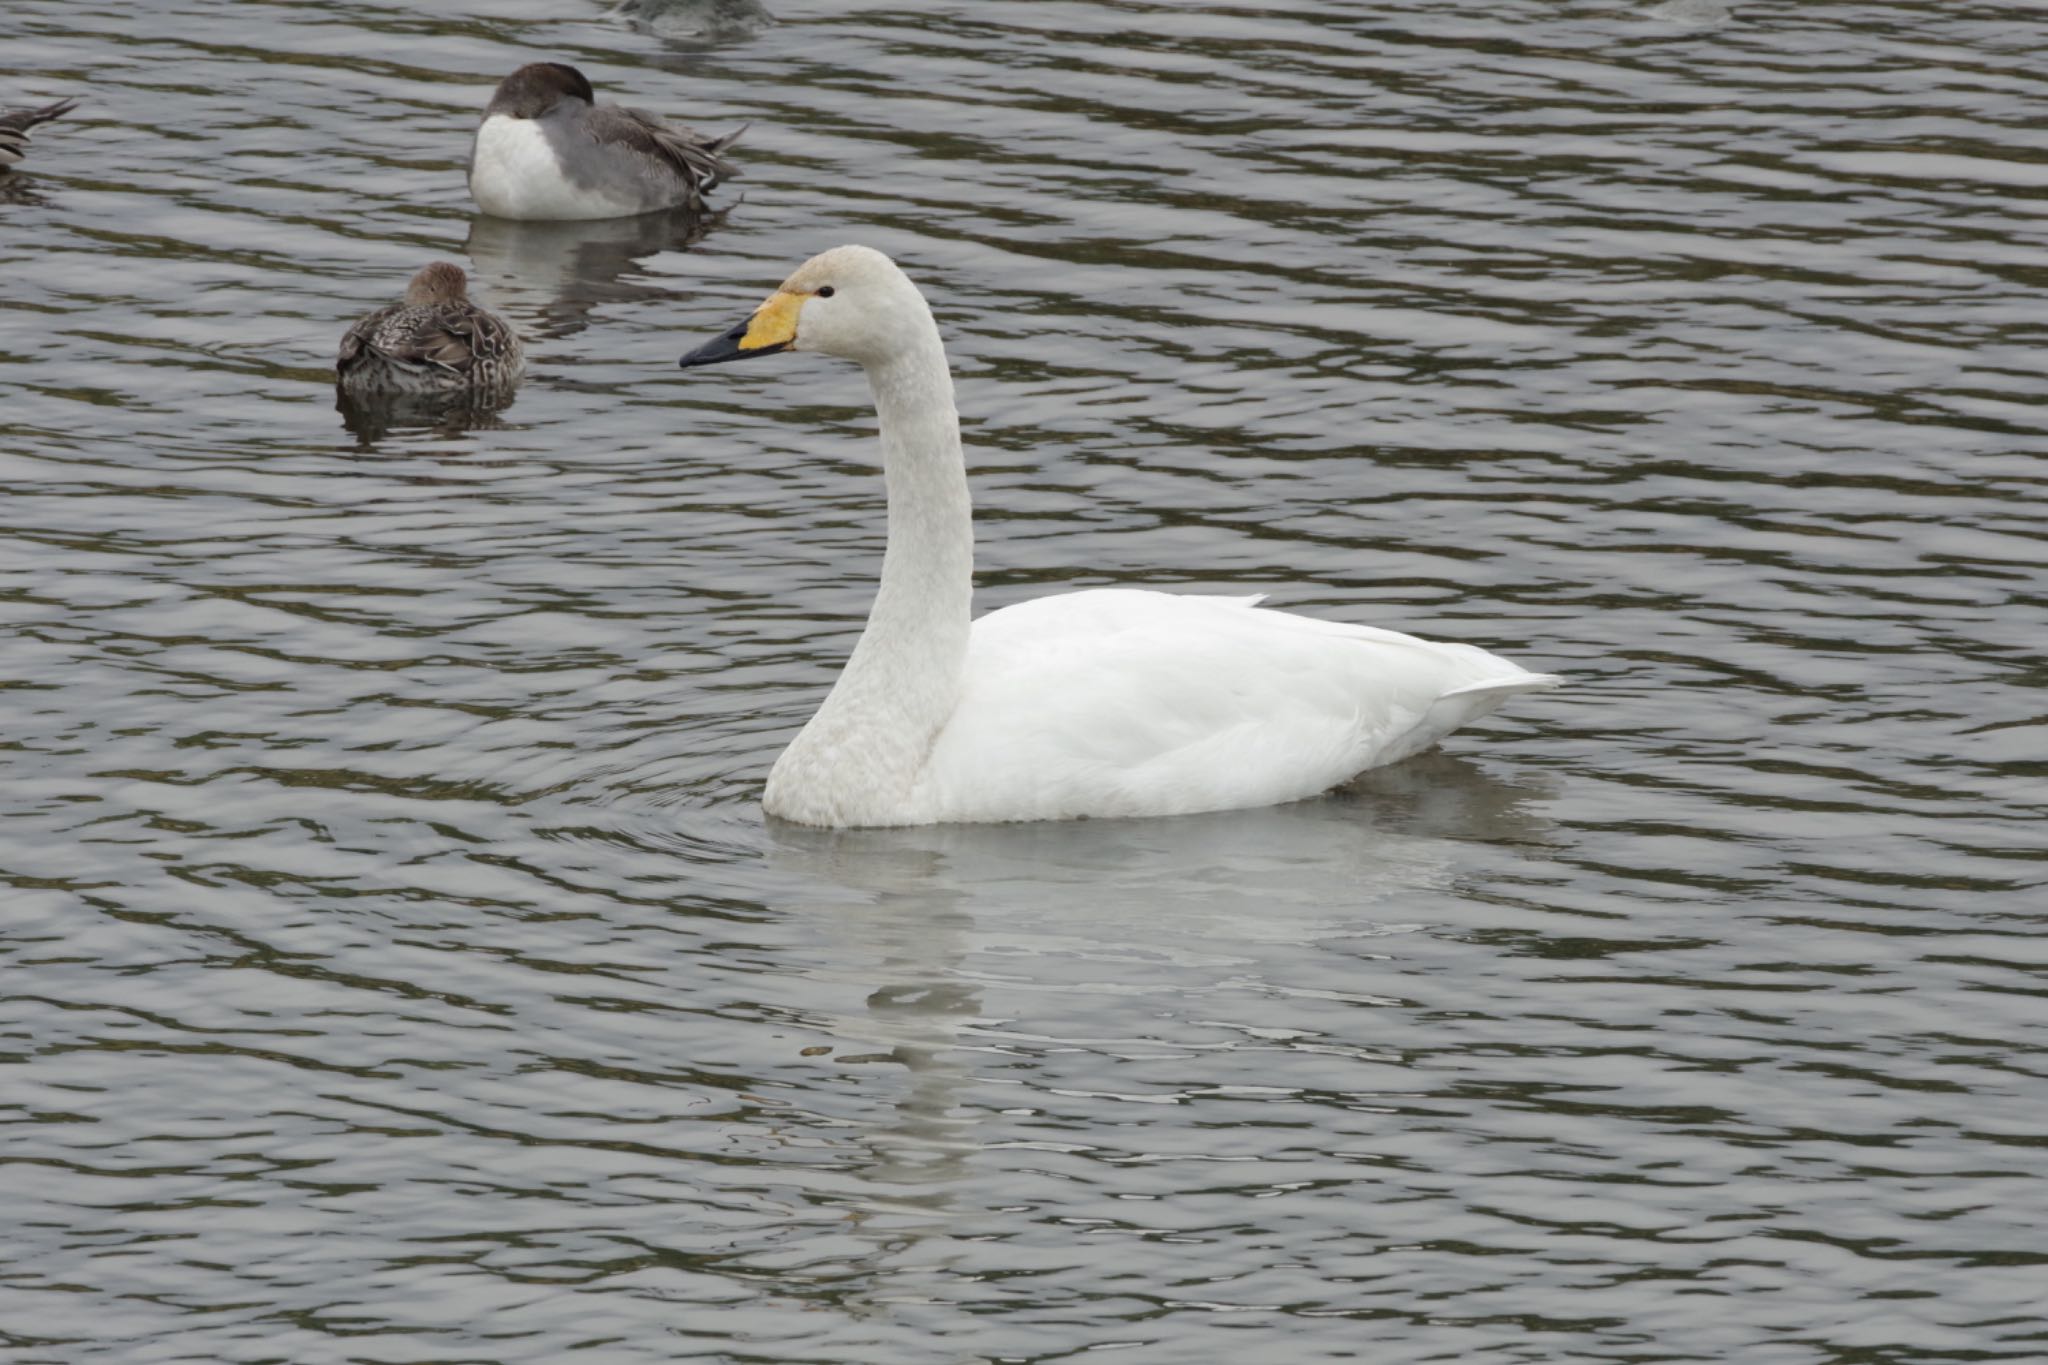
1108,702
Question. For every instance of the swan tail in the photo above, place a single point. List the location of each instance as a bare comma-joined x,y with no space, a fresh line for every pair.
1504,688
1460,707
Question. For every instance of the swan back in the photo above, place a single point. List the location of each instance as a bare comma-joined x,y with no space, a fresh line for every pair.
1120,701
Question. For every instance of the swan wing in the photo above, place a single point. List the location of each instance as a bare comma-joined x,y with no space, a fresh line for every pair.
1128,702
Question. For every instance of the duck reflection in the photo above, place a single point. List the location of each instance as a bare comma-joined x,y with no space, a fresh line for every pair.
550,276
374,416
16,188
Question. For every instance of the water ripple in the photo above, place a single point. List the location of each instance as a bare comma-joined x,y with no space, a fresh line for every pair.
397,964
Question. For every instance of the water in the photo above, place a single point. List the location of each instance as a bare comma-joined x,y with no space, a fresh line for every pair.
398,967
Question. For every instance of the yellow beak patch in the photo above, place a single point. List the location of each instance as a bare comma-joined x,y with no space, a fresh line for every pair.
774,322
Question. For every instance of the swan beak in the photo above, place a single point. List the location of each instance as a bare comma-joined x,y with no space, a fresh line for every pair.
772,328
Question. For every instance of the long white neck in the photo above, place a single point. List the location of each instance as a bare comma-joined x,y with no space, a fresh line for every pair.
856,760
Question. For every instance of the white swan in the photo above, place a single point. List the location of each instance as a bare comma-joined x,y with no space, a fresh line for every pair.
1111,702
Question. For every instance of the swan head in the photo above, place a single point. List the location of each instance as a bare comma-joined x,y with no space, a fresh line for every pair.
851,301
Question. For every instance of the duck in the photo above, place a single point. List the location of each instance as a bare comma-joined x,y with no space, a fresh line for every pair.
1103,702
434,341
17,124
697,22
547,151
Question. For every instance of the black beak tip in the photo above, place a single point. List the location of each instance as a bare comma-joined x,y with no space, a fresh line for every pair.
726,347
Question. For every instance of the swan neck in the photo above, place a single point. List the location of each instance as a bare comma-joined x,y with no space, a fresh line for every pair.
923,603
913,390
873,733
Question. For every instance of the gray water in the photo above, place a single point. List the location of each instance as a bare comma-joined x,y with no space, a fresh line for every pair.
398,967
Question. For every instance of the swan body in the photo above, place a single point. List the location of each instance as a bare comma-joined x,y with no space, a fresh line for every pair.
1108,702
1119,701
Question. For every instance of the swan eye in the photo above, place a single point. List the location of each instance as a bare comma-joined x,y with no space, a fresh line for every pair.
827,292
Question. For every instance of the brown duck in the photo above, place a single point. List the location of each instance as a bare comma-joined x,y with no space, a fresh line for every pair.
436,341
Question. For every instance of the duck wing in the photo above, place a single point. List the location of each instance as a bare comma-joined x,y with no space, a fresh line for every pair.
359,344
16,124
1128,702
455,341
694,157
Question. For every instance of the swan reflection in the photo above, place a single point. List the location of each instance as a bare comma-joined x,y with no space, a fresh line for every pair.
1329,862
944,929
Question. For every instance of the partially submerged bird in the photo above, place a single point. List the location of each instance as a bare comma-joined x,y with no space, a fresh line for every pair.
1108,702
436,341
697,21
17,124
547,151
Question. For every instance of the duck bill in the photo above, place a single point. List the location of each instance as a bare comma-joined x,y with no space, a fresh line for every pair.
772,328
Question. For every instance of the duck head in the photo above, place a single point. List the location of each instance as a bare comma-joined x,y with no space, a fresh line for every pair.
536,88
439,283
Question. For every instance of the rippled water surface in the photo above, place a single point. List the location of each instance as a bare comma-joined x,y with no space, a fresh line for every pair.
397,965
